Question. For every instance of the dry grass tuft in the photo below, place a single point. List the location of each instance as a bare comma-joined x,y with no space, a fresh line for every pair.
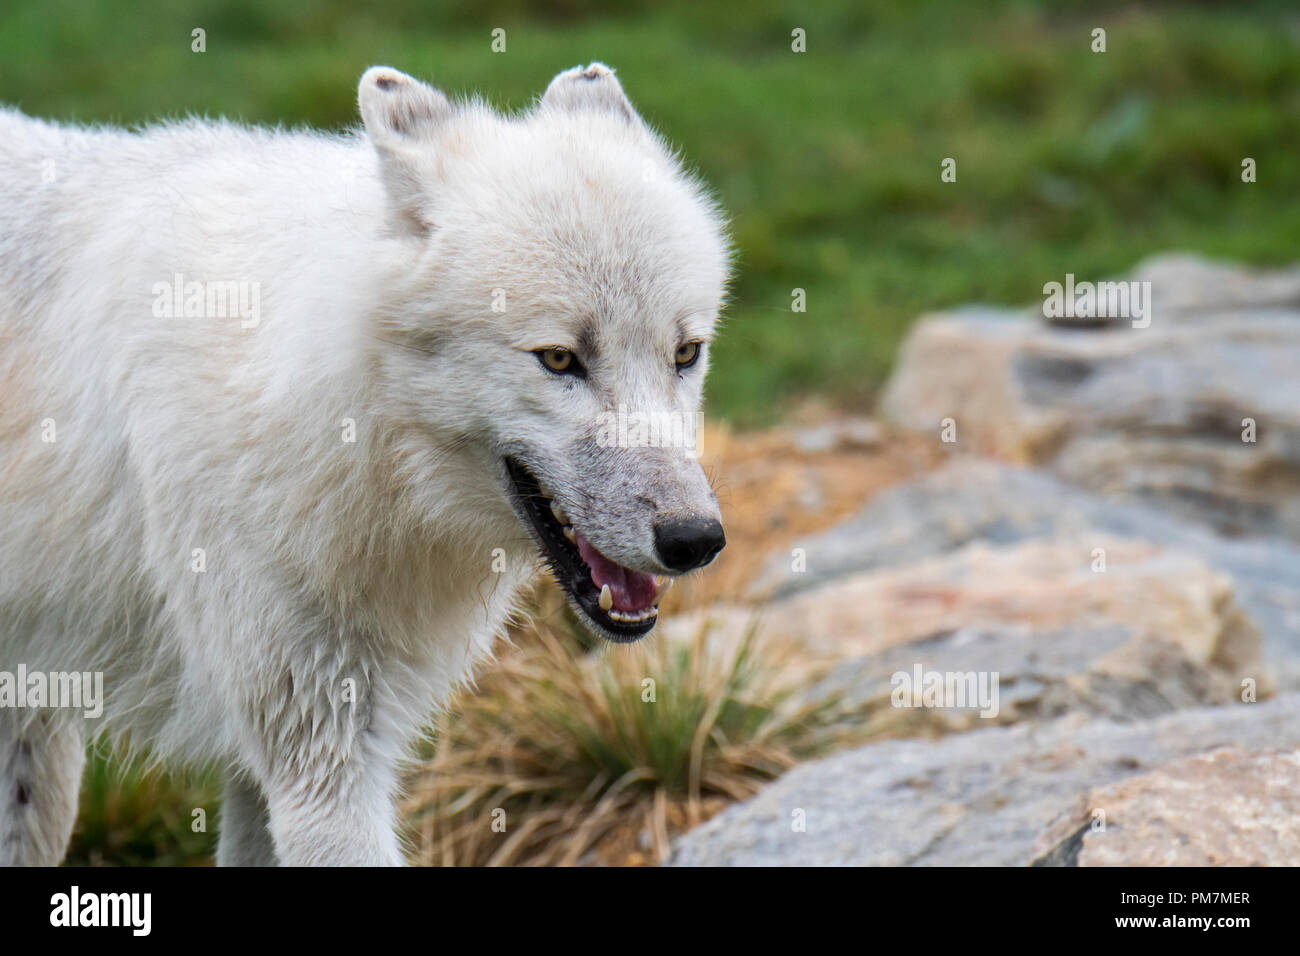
601,755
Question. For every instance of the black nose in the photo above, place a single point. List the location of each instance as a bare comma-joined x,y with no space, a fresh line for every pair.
688,543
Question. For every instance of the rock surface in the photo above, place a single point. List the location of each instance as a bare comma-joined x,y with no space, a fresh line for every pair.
1154,631
1155,414
1227,808
985,797
1126,552
987,536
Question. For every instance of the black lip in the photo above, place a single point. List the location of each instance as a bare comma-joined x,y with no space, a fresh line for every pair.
565,562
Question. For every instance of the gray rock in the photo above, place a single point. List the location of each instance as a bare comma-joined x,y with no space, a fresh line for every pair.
1040,676
1226,808
1155,414
969,501
840,433
979,798
1192,287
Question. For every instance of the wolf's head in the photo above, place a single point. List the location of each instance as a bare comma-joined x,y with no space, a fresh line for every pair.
560,282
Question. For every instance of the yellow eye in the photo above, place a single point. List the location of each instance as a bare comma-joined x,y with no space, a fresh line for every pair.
557,360
687,353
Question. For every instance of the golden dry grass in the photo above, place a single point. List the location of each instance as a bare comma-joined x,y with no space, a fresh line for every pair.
600,755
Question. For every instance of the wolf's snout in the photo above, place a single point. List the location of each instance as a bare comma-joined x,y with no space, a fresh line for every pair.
685,544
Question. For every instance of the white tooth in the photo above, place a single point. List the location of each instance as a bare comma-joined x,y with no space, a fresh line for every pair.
558,513
606,598
638,617
571,535
662,586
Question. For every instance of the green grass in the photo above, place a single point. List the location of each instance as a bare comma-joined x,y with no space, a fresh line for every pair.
828,162
134,815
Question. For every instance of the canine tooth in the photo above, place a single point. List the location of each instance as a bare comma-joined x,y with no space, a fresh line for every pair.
558,513
606,597
662,586
571,535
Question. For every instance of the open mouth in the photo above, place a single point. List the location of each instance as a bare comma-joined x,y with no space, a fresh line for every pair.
620,604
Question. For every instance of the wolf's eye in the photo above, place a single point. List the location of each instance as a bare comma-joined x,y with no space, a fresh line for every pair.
560,361
686,355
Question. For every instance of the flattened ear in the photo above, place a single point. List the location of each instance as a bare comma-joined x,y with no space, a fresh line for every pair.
592,87
402,116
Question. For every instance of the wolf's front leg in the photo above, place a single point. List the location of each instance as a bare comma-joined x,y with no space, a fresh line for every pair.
330,782
317,821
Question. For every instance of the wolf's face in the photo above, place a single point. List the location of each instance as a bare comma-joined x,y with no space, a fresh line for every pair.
557,302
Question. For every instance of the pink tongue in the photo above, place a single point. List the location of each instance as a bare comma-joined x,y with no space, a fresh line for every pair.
631,590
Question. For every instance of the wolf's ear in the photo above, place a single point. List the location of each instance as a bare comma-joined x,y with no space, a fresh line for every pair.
401,116
592,87
398,109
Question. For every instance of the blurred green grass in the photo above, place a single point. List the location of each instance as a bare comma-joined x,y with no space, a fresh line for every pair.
828,161
132,813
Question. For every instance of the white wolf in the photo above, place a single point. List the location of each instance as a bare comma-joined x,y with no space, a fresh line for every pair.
285,521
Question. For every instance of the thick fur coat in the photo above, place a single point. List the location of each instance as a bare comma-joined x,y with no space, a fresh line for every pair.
283,527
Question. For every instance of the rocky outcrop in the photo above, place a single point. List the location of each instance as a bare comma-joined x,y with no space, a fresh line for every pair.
989,796
1226,808
1125,552
981,542
1154,631
1197,413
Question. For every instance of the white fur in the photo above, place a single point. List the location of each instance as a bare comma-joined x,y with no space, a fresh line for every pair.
393,561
